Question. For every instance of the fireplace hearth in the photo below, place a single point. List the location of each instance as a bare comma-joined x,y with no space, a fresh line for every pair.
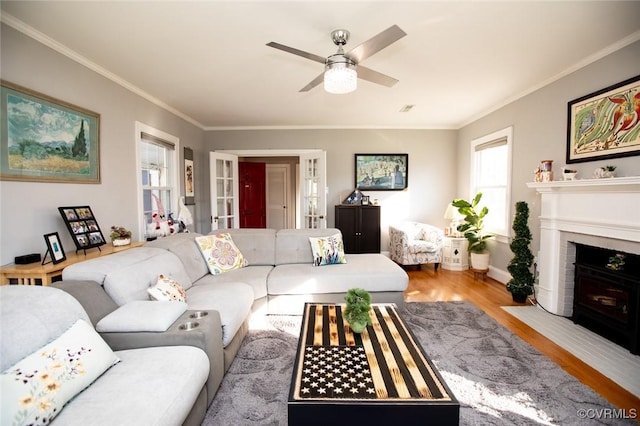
607,294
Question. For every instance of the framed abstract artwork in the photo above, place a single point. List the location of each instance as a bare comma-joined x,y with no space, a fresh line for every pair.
47,140
381,172
605,124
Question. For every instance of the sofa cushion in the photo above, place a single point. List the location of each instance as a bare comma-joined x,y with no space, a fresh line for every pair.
327,250
420,246
370,271
257,245
150,386
25,311
292,245
142,315
255,276
185,247
36,388
167,289
130,282
232,300
220,253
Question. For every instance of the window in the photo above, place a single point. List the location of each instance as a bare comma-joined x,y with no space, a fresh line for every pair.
157,152
491,175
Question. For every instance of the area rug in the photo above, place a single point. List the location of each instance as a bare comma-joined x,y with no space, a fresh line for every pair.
498,378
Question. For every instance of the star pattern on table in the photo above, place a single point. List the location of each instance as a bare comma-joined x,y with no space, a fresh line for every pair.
336,372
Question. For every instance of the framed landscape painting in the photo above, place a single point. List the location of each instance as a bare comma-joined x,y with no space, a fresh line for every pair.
381,172
47,140
605,124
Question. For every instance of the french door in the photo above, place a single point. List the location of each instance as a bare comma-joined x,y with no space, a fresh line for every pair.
313,190
225,211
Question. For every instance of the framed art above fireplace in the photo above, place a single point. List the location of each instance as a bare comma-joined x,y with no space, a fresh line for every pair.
604,124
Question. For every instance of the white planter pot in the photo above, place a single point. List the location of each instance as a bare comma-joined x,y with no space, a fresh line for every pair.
479,261
121,242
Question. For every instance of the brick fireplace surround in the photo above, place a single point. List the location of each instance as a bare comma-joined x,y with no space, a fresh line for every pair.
596,212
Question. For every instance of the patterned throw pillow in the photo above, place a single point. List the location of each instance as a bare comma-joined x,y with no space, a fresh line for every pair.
327,250
36,388
220,253
167,289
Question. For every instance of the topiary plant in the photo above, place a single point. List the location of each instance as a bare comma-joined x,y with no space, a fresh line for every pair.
357,310
521,283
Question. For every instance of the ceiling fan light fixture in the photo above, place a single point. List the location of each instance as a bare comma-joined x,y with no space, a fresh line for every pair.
340,75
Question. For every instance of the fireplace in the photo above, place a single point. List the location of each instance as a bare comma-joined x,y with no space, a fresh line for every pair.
607,294
596,212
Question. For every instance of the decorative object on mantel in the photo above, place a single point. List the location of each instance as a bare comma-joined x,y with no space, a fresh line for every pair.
604,172
357,310
616,262
521,283
544,172
472,228
604,124
120,236
568,174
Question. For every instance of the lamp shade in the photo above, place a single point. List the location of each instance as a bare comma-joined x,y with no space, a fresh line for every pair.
452,213
340,75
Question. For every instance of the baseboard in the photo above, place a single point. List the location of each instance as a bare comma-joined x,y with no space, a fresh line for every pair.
499,275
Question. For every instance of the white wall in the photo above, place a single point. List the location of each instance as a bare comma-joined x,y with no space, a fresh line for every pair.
28,210
539,123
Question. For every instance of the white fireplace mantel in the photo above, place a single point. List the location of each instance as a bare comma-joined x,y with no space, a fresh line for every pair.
604,210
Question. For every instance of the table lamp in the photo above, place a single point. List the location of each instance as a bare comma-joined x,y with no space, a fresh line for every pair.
455,218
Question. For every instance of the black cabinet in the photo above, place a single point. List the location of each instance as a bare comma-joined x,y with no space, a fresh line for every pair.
360,227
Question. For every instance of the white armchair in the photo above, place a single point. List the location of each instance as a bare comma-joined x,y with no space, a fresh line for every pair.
414,243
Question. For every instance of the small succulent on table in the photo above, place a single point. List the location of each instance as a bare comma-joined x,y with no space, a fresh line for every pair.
357,310
119,233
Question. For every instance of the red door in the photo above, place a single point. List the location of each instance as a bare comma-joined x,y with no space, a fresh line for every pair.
253,206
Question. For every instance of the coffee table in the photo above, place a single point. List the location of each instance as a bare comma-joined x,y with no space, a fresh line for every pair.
381,376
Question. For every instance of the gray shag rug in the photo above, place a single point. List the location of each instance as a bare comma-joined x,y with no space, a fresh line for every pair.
497,377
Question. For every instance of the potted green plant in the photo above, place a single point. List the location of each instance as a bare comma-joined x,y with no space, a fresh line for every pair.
473,230
521,283
120,236
357,310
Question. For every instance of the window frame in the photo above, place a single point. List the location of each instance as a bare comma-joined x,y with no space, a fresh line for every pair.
502,235
173,172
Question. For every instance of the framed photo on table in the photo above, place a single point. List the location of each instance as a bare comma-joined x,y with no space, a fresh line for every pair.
604,124
54,248
44,139
381,172
82,226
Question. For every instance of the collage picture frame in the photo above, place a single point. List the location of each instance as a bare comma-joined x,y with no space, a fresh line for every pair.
82,226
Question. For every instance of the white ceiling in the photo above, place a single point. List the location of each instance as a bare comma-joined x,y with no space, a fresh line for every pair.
207,60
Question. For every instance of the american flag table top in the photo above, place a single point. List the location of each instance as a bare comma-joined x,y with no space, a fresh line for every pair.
382,363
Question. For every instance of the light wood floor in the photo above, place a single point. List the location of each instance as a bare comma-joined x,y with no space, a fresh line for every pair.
427,285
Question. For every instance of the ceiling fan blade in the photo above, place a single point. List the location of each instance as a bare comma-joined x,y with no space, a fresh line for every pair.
376,44
375,76
297,52
319,79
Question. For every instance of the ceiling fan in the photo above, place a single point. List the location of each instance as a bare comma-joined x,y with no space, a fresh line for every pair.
343,69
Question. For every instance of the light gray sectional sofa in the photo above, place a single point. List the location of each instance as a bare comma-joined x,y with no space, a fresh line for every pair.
278,279
50,354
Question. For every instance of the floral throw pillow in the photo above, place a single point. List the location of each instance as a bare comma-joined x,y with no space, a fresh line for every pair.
220,253
167,289
36,388
327,250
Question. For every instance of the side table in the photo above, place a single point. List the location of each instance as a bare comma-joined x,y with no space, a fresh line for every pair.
455,256
37,274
